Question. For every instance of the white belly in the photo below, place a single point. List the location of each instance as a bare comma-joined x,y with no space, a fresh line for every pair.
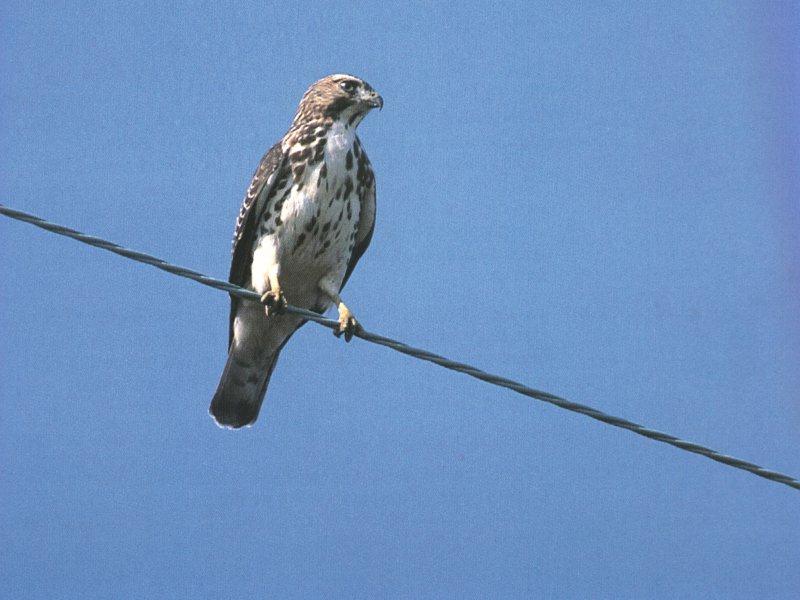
315,237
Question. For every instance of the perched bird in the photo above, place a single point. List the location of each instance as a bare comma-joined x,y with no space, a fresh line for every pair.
306,219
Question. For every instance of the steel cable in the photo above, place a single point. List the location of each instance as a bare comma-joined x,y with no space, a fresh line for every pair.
410,350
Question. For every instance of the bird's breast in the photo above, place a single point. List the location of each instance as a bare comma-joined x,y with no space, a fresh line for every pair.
311,232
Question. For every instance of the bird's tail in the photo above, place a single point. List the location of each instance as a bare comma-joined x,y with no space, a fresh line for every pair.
241,390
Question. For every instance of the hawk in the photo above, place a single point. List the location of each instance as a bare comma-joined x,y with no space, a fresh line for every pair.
306,219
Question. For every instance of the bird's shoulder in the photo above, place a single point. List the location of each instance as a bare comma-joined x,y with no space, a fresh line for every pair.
268,170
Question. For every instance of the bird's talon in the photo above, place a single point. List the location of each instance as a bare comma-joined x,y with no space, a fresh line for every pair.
275,302
347,326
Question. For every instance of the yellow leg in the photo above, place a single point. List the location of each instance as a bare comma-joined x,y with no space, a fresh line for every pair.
348,325
274,300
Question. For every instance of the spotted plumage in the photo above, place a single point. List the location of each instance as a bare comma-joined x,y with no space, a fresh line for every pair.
306,219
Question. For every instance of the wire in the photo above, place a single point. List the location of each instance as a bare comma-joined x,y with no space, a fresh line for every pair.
235,290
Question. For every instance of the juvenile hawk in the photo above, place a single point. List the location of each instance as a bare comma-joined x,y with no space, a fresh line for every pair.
306,219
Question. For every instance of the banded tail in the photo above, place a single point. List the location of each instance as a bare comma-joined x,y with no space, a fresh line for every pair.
241,390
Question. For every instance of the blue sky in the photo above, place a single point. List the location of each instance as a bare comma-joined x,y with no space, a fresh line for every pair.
598,199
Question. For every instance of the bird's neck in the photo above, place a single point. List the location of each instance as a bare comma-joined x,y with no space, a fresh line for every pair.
336,134
340,135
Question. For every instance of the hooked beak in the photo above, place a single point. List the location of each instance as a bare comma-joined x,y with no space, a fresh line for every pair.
374,100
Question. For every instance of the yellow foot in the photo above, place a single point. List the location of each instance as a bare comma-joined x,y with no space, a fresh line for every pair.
275,302
347,326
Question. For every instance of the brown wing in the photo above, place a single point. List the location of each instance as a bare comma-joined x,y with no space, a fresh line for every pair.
269,170
366,219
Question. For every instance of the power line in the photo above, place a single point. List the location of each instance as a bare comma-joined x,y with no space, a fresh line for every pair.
410,350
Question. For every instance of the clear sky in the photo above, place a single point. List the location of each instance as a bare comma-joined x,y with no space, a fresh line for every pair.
598,199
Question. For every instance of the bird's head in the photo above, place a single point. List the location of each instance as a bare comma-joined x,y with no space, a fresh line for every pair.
343,98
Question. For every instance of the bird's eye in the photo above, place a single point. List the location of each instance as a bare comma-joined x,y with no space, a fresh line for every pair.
348,86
